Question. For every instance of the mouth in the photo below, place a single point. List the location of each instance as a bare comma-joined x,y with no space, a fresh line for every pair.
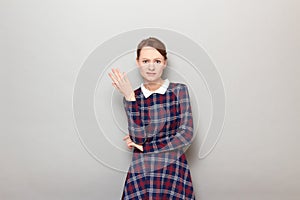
151,74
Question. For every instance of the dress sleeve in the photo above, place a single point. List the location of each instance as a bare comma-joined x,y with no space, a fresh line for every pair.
136,127
184,133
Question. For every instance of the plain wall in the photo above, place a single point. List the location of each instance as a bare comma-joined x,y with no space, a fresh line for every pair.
254,45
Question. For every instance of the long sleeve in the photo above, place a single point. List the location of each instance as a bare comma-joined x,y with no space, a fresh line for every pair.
136,127
184,133
174,138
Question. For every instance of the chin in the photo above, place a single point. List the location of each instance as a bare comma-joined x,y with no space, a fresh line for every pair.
151,79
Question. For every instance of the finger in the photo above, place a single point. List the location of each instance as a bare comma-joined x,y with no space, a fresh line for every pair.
116,73
115,85
122,76
126,137
119,73
112,76
115,80
128,140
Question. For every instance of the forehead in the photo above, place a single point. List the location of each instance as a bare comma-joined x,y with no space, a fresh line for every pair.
150,53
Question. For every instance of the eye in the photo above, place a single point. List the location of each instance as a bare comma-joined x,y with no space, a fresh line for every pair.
158,61
144,61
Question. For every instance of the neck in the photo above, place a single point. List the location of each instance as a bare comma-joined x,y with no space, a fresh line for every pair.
152,86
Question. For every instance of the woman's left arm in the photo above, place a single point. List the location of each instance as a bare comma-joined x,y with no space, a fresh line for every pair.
184,133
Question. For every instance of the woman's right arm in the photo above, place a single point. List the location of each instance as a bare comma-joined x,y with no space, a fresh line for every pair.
136,127
122,83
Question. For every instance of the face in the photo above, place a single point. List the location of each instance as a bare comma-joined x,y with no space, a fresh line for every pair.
151,65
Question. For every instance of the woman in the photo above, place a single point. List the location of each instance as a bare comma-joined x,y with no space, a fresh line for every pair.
160,126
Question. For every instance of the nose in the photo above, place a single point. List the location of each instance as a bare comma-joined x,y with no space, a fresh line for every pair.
151,66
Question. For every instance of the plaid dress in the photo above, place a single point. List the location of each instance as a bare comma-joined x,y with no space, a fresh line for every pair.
163,124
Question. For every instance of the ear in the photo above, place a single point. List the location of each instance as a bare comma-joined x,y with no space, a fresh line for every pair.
137,62
166,63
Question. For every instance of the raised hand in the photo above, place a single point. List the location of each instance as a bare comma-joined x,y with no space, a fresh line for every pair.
122,83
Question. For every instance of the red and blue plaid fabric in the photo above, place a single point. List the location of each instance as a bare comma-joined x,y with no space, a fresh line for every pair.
163,124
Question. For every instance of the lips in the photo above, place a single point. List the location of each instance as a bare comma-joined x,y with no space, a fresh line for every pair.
149,73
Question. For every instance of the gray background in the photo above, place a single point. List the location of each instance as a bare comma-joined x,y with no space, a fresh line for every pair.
254,44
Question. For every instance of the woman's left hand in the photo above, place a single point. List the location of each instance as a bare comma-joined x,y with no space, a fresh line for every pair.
131,144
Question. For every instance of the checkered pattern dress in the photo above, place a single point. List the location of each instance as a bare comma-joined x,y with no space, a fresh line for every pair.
163,124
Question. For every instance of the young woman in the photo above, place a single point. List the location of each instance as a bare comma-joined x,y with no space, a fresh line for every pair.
160,126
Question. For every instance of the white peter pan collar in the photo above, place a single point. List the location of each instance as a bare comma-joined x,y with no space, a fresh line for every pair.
161,90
